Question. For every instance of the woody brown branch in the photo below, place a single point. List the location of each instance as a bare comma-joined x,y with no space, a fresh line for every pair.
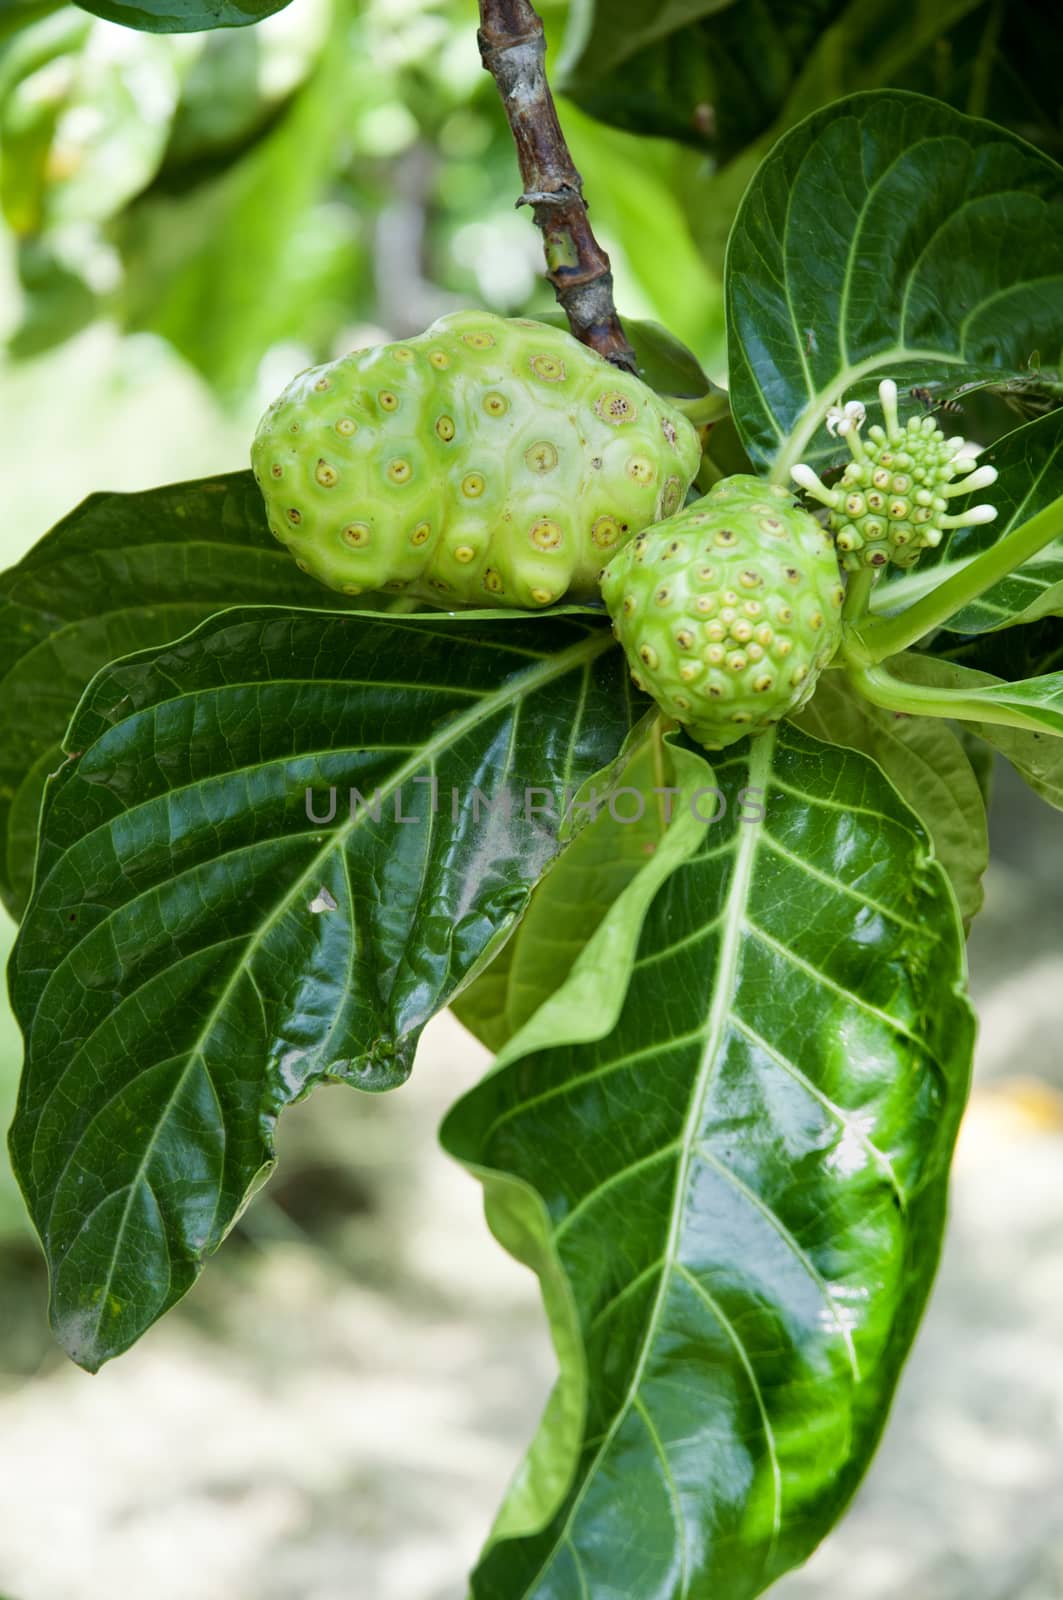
513,50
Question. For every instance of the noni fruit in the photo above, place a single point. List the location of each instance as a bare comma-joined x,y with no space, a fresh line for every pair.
892,501
729,611
486,462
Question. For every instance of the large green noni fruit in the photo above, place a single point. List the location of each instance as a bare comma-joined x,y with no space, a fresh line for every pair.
729,611
486,462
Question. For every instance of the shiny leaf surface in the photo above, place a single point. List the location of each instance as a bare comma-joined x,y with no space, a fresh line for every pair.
886,235
926,762
215,928
119,574
732,1181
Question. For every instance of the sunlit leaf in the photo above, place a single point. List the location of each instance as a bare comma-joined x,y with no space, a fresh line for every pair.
731,1178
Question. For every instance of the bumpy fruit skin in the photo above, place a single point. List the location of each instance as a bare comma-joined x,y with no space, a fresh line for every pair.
729,611
486,462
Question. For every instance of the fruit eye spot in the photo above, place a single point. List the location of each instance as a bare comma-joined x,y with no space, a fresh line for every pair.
681,702
548,368
771,525
606,532
737,661
479,341
445,429
400,471
705,604
684,638
541,457
302,566
546,535
293,427
785,614
663,595
439,359
671,497
473,485
294,516
496,405
629,605
616,408
401,353
542,597
493,582
750,579
641,470
420,533
352,588
388,401
792,575
674,548
464,553
322,384
726,536
277,470
668,429
752,608
648,656
815,621
346,426
356,534
326,476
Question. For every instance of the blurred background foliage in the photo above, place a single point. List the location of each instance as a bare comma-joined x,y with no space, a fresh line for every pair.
188,219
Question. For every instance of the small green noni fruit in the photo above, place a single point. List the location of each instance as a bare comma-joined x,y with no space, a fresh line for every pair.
729,611
486,462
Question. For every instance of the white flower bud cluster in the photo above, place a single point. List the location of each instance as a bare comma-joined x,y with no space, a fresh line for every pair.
892,501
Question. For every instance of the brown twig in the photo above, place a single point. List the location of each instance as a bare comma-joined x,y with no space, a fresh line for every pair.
513,51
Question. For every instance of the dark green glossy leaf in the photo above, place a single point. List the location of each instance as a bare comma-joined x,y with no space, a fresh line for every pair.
1011,654
121,573
713,76
1030,463
886,235
728,1162
202,949
183,16
925,760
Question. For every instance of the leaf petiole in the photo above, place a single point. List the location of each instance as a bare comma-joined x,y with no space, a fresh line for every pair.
879,686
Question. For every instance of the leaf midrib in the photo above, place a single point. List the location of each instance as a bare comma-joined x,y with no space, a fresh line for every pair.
732,922
595,643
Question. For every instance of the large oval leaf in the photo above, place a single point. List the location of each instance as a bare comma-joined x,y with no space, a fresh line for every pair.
735,1194
891,235
204,944
121,573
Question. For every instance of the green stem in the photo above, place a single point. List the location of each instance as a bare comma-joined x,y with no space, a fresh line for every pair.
915,700
888,636
858,595
706,409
